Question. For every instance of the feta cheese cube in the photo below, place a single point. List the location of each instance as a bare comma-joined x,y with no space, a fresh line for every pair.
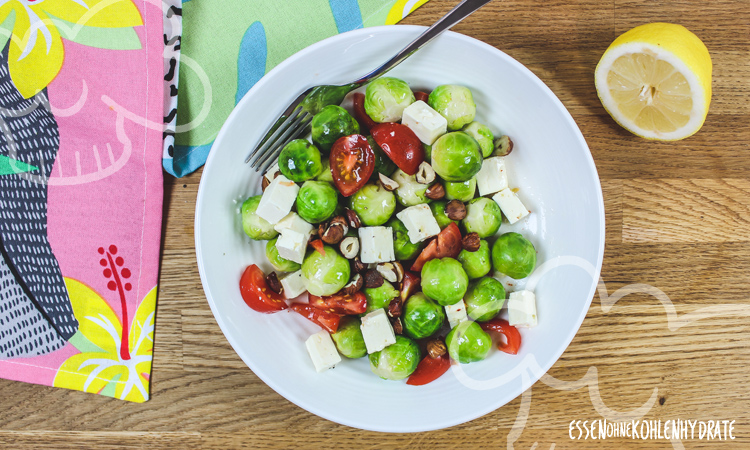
293,222
522,309
511,205
294,284
292,245
377,331
322,351
492,177
277,199
419,222
424,121
456,313
376,244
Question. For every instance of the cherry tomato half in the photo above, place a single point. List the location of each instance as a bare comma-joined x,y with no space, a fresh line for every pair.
512,336
341,303
352,163
329,321
429,370
256,293
446,244
419,95
359,111
319,246
400,144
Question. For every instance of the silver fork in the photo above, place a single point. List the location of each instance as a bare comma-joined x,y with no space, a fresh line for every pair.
299,114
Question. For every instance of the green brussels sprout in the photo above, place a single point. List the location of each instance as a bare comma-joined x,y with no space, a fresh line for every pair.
476,264
462,190
484,299
444,280
325,174
422,317
379,297
386,98
467,342
409,191
438,210
403,249
455,103
513,255
373,204
253,225
325,274
279,263
300,161
483,136
348,338
483,217
397,361
316,201
427,152
383,163
331,123
456,156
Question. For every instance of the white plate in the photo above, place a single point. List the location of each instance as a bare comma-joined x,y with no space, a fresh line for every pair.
551,164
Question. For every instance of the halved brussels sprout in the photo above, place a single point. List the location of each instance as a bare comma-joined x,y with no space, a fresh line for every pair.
483,136
476,264
383,163
373,204
300,161
253,225
386,98
279,263
444,280
325,274
438,210
484,299
409,192
316,201
331,123
348,338
455,103
462,190
483,217
422,317
325,174
514,255
456,156
379,297
397,361
468,343
403,249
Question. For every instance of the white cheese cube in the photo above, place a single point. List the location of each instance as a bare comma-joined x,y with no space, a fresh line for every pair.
492,177
292,245
377,331
511,205
293,222
376,244
277,199
456,313
522,309
419,222
424,121
294,284
322,351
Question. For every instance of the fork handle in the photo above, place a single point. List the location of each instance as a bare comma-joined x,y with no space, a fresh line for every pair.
457,14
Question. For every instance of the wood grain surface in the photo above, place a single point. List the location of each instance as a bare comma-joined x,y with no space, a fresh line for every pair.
678,227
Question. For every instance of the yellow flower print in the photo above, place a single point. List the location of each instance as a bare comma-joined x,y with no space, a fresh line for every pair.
36,49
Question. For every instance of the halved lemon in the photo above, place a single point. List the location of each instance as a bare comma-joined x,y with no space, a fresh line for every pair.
655,81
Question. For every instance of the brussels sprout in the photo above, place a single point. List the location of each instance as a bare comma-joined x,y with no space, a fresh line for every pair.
331,123
348,338
513,255
325,174
300,161
403,249
316,201
438,210
325,274
455,103
456,156
397,361
483,217
379,297
463,190
484,299
386,98
467,342
422,317
409,192
279,263
427,152
483,136
383,163
374,205
476,264
255,226
444,280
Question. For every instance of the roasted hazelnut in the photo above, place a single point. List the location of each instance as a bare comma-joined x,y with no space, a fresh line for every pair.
358,266
264,184
425,173
395,307
352,218
349,247
272,280
391,271
354,285
334,231
455,210
398,327
387,183
373,279
471,242
435,192
436,348
503,146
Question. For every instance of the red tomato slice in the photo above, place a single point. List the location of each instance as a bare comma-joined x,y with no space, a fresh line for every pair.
419,95
447,244
318,245
512,336
409,285
429,370
256,293
400,144
359,111
329,321
341,303
352,163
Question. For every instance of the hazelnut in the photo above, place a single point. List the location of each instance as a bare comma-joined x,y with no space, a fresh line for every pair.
334,231
352,218
264,184
272,173
471,242
398,327
349,247
357,265
272,280
436,348
373,279
387,183
354,285
425,173
455,210
503,146
395,307
435,192
391,271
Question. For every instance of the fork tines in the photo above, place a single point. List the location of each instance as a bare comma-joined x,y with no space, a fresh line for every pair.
283,132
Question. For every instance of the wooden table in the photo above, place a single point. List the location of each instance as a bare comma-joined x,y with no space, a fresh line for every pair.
678,220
